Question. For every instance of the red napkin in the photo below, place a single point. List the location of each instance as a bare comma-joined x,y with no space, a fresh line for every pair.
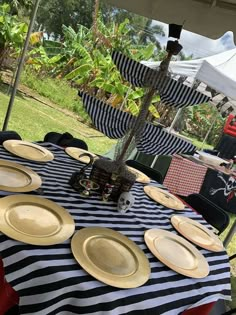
8,296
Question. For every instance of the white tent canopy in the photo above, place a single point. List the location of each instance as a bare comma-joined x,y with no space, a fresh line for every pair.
217,71
210,18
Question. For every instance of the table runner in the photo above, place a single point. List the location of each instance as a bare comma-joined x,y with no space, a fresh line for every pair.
50,281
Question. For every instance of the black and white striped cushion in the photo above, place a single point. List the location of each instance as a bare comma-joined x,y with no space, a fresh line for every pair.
172,92
50,281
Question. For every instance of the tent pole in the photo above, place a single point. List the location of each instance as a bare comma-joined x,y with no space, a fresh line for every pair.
209,130
169,131
20,65
175,119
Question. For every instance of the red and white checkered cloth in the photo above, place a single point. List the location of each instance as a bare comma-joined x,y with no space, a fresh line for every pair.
184,177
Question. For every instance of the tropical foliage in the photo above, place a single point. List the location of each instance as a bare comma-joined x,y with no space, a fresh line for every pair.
198,120
12,32
77,52
84,59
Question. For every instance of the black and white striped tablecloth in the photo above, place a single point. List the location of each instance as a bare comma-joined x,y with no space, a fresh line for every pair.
50,281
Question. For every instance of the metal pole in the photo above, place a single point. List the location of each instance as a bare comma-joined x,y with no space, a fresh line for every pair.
209,130
20,65
230,234
175,119
169,131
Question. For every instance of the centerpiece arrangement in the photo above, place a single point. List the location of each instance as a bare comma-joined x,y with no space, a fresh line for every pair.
114,177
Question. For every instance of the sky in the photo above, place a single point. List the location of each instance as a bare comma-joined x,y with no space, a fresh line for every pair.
198,45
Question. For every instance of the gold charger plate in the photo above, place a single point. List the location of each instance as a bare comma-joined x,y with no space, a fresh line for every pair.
17,178
177,253
164,197
28,150
140,176
76,152
197,233
110,257
35,220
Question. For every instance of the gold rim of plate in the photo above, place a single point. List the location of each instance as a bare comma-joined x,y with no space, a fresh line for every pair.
35,220
110,257
164,198
176,253
28,150
140,176
75,152
18,178
197,233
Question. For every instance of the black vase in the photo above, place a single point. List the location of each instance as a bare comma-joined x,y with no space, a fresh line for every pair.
175,30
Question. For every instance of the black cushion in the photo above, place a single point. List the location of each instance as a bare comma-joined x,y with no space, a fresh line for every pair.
212,213
9,135
65,140
150,172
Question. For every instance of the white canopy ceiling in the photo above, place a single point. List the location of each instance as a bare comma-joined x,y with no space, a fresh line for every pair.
217,71
211,18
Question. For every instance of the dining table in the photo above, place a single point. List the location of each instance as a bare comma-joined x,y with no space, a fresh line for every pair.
190,175
49,280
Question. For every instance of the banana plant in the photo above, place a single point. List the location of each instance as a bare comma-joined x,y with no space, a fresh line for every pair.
12,32
85,60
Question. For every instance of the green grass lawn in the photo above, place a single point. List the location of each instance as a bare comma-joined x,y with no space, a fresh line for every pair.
56,90
32,120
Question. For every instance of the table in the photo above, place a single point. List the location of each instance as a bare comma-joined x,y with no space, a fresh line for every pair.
220,188
188,175
226,146
50,281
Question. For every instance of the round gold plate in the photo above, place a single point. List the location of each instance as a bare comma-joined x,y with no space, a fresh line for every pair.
110,257
140,176
176,253
35,220
76,152
17,178
197,233
28,150
164,198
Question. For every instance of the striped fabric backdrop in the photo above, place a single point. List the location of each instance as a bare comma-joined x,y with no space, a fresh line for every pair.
157,141
50,281
115,123
172,92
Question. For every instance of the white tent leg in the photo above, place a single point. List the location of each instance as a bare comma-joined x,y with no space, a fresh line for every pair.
209,130
20,65
175,119
169,130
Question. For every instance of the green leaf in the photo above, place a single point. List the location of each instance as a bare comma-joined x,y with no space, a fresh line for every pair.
55,59
133,108
82,70
108,87
148,51
135,94
156,99
154,111
98,82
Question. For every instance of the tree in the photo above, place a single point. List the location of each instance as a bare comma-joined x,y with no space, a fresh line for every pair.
12,32
149,34
55,13
19,7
